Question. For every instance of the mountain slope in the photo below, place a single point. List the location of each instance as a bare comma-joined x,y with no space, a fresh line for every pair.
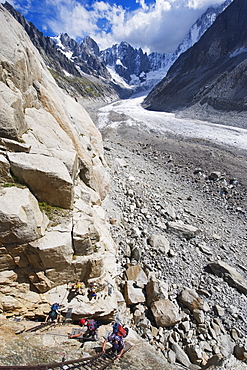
212,72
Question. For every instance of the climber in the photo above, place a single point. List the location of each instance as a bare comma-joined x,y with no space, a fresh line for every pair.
89,329
117,344
78,287
81,333
53,315
92,329
93,292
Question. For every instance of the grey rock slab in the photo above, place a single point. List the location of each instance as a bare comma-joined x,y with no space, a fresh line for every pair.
229,274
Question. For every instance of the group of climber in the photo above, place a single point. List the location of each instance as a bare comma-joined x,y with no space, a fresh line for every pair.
79,288
89,327
116,337
89,330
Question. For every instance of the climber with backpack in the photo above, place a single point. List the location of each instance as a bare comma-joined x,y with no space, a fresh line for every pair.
92,329
54,314
88,331
116,338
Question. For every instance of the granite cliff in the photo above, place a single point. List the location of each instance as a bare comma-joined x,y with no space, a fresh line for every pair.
53,180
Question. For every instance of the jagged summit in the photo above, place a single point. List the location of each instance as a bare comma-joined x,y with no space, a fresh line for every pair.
84,55
129,63
138,68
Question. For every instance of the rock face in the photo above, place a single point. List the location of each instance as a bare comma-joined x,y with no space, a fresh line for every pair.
47,177
21,219
53,179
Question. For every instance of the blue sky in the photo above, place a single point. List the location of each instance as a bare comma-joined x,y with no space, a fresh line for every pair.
154,25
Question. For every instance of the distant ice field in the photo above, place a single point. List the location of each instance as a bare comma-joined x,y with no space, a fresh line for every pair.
130,112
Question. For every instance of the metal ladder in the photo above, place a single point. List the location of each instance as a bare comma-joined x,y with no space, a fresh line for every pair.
97,362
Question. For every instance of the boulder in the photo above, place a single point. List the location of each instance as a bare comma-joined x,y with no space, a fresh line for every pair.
7,277
95,268
226,345
159,243
85,235
137,274
139,313
205,248
40,281
181,356
156,290
47,177
220,311
215,175
165,313
199,316
132,294
21,220
9,303
190,299
18,255
229,274
50,139
240,352
52,251
182,230
70,160
14,146
6,260
169,212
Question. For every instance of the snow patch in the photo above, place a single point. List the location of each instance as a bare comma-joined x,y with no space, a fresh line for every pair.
67,73
238,52
116,78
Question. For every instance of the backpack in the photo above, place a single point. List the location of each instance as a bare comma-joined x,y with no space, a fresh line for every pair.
55,307
91,324
120,331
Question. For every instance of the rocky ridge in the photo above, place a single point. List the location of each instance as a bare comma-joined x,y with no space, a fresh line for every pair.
81,79
78,66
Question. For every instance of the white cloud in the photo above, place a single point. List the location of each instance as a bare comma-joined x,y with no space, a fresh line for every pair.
143,4
197,4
